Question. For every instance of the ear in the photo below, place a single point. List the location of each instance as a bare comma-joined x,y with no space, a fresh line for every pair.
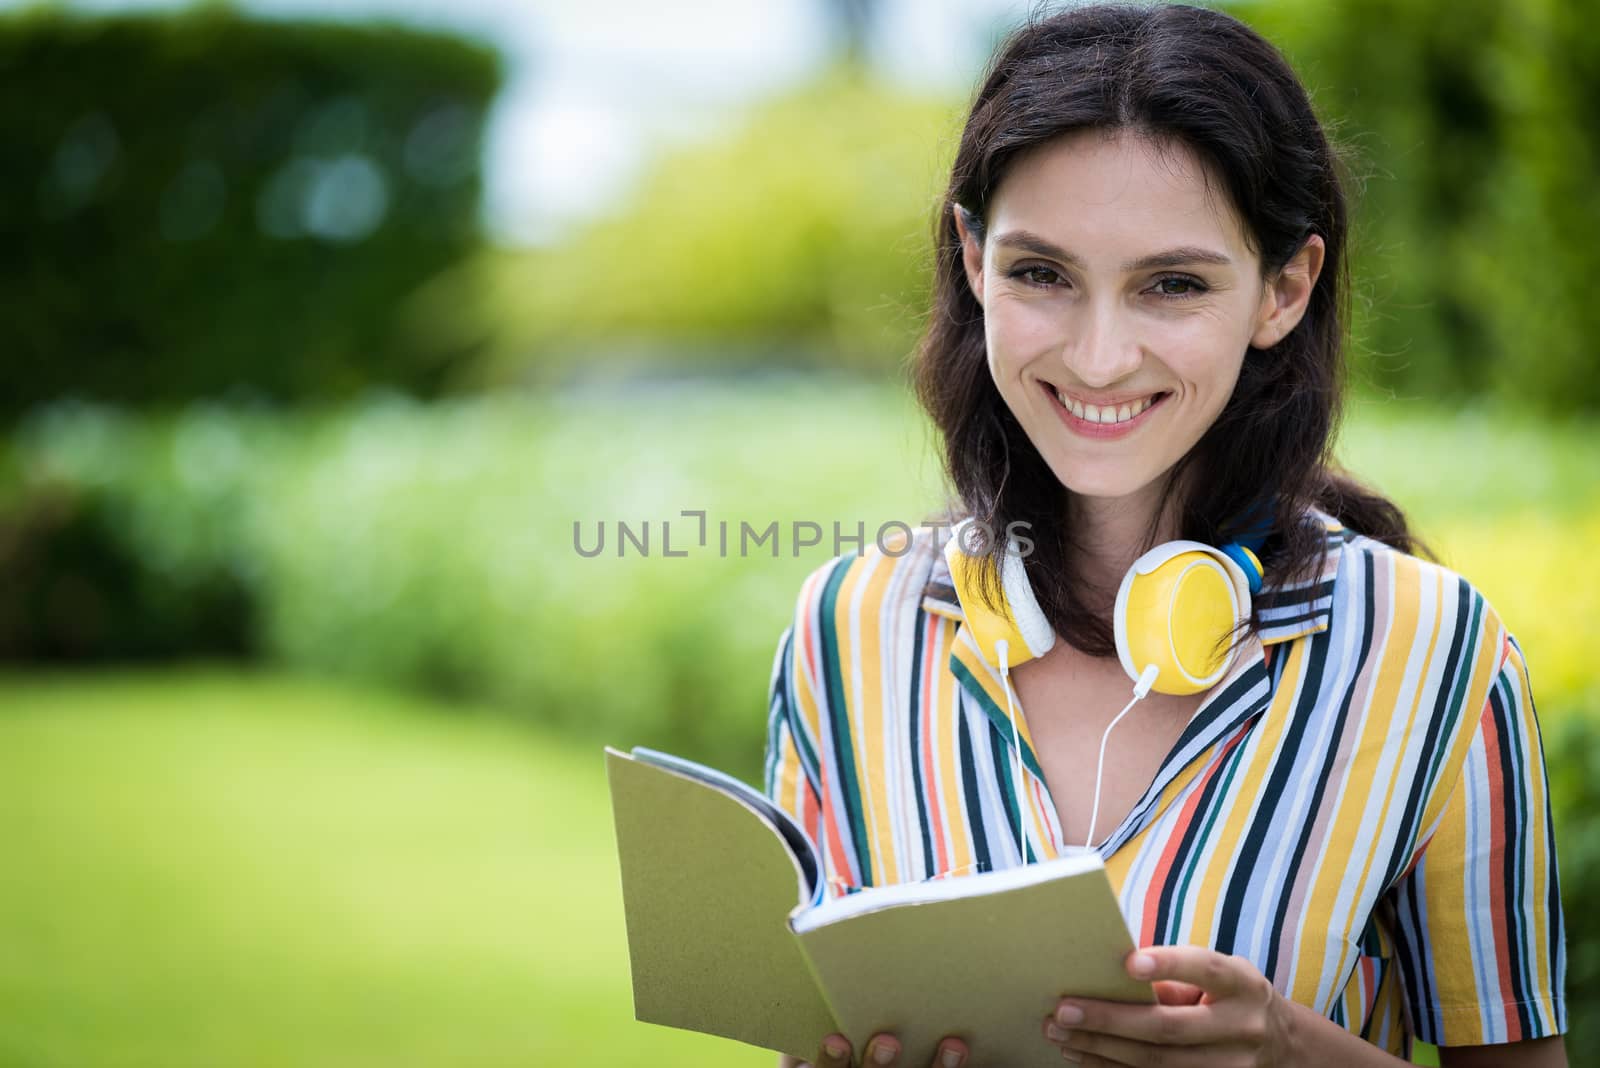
1287,295
971,253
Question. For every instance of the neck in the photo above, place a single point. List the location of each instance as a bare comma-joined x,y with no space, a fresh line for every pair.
1110,534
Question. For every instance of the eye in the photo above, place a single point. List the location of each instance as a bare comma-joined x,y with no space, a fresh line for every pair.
1036,275
1193,287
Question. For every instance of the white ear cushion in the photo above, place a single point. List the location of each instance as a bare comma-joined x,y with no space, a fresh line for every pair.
1030,618
1119,621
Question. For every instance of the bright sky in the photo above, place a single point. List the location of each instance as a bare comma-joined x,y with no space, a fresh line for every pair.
594,86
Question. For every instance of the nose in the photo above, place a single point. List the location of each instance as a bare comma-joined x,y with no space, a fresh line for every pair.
1103,349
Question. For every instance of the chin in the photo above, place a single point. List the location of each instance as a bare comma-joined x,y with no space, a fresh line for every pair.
1097,480
1109,488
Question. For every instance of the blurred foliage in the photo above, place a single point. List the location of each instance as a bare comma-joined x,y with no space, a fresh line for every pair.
75,590
198,203
432,547
1473,124
804,235
1572,749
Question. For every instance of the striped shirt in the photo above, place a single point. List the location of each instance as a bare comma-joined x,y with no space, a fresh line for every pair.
1359,807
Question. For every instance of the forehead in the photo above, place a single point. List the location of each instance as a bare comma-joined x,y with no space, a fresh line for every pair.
1117,190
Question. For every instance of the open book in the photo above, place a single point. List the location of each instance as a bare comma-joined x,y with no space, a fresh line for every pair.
730,933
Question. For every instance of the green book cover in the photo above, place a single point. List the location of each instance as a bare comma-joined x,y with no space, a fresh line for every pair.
728,934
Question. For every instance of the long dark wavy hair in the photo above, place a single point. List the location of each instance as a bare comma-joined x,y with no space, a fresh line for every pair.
1191,76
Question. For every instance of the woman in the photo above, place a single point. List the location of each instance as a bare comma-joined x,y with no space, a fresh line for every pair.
1344,844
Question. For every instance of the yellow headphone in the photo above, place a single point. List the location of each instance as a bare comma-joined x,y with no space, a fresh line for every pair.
1175,609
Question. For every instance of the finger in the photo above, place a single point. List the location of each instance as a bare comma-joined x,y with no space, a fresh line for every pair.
1171,992
1218,974
952,1053
1163,1025
882,1051
834,1053
1087,1048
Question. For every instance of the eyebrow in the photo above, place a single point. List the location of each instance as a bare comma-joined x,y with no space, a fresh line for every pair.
1173,257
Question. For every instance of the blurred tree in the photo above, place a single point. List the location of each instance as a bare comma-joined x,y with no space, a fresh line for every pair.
199,203
1474,140
800,238
852,22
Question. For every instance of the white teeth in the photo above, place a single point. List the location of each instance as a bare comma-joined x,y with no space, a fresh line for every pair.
1094,413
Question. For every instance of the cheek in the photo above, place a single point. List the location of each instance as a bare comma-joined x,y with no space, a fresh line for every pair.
1206,355
1017,332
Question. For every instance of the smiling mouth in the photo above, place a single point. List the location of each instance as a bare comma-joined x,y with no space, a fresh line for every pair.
1107,414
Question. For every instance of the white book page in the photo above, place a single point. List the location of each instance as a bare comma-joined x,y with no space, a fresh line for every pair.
1076,861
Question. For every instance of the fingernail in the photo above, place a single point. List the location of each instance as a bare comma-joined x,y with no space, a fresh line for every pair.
951,1058
1069,1055
835,1048
1143,965
1056,1033
883,1053
1069,1015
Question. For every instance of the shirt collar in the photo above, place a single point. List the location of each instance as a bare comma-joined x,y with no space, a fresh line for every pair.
1286,610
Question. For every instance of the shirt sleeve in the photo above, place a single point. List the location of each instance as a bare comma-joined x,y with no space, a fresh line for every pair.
790,778
1480,935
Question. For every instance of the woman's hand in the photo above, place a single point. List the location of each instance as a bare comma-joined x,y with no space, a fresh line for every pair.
884,1050
1214,1010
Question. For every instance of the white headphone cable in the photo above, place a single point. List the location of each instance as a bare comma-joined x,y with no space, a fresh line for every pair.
1141,690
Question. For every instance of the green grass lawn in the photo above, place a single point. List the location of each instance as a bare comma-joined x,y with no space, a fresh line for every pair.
216,869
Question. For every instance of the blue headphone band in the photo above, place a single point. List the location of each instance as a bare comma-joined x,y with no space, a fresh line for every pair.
1247,561
1245,548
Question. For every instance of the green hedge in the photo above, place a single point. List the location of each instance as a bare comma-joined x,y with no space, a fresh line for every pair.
432,548
200,203
77,588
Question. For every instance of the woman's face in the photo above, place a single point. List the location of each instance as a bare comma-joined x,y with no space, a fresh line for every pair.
1119,299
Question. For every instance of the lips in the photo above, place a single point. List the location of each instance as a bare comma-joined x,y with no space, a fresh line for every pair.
1109,410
